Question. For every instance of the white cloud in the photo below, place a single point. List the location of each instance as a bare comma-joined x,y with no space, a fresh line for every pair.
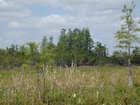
52,21
7,5
91,6
14,24
1,38
14,15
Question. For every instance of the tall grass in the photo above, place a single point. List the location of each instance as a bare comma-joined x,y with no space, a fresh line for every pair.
70,86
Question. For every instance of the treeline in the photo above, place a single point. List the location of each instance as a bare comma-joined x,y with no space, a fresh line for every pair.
74,47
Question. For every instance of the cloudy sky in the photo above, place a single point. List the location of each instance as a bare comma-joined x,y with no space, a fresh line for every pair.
22,21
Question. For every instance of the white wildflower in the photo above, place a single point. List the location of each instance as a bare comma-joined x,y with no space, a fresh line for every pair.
74,95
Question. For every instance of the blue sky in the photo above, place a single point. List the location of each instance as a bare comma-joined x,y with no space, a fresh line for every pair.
22,21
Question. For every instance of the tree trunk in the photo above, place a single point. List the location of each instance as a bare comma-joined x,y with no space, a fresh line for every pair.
130,78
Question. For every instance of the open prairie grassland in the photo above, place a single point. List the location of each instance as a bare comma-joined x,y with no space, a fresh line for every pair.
69,86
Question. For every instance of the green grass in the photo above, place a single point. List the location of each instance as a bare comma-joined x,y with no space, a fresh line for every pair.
70,86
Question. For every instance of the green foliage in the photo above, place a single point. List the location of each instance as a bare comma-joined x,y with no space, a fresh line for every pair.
33,52
100,54
25,66
47,51
136,56
74,46
126,37
11,57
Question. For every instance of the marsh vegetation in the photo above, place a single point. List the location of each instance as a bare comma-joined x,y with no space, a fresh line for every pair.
70,86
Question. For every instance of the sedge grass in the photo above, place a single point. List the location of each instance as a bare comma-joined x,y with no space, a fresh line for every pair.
71,86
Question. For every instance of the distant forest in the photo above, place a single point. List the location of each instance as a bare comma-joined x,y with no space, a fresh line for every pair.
74,47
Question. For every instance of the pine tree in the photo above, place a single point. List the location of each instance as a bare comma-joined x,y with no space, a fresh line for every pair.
126,37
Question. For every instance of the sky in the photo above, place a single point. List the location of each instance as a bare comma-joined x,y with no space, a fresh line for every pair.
23,21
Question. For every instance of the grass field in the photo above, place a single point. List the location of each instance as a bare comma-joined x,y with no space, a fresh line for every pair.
97,85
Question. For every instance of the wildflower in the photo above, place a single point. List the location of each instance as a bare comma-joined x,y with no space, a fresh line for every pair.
74,95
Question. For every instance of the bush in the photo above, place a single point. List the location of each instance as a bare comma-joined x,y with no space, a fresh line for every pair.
25,66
